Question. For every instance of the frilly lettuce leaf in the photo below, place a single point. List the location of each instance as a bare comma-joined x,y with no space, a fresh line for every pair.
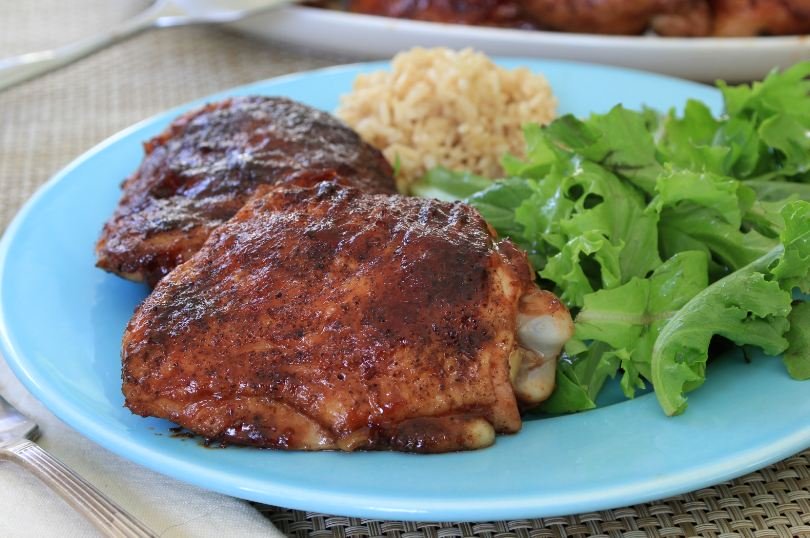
687,142
704,211
617,328
779,93
602,238
619,141
575,278
793,268
749,307
588,214
630,317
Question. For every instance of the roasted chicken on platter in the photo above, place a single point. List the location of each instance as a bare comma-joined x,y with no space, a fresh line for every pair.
207,163
326,317
684,18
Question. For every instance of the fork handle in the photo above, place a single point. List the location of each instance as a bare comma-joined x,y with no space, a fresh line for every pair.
17,69
101,511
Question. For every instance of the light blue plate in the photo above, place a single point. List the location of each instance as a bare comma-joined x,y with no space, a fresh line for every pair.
61,322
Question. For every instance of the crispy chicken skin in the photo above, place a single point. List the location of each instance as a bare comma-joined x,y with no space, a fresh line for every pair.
329,318
207,163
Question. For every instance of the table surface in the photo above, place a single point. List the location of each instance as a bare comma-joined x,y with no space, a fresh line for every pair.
46,123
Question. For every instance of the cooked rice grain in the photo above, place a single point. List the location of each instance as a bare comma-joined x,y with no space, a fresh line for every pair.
442,107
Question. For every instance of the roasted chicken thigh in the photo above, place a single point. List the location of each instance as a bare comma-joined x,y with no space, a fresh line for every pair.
328,318
207,163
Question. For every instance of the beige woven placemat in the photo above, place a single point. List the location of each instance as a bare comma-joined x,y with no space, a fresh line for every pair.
772,502
46,123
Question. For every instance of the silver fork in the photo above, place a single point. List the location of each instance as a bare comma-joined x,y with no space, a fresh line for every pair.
161,14
17,436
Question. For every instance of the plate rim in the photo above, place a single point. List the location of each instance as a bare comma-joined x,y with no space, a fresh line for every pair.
648,41
363,505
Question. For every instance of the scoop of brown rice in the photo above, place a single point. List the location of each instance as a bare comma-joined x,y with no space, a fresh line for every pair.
443,107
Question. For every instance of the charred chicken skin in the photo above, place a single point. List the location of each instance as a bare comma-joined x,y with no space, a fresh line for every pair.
328,318
206,164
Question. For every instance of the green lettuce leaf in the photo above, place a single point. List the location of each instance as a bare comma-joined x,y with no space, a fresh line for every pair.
774,191
793,269
688,142
589,214
576,279
766,125
620,141
542,155
778,93
748,307
498,204
704,211
630,317
797,356
447,185
570,394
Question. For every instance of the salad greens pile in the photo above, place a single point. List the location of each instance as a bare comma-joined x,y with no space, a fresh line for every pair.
663,233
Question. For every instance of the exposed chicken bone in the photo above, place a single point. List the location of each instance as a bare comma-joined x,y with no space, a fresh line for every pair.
544,325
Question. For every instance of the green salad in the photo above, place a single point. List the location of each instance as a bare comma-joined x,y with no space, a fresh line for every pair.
663,233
